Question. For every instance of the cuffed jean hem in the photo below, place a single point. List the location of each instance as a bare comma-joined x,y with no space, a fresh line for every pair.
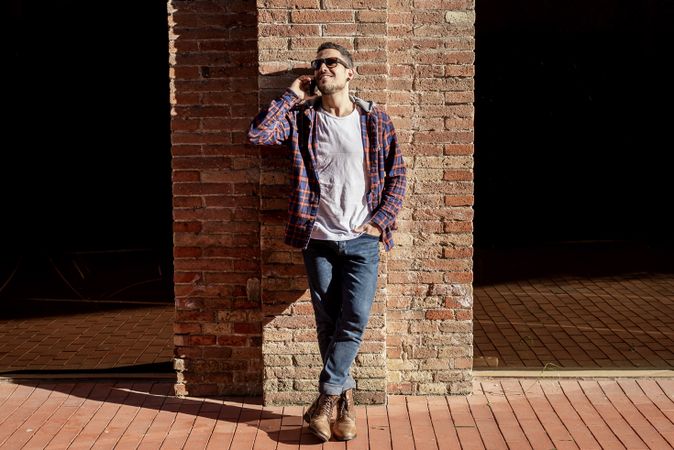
334,389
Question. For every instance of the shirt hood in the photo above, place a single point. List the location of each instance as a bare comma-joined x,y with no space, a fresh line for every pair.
365,105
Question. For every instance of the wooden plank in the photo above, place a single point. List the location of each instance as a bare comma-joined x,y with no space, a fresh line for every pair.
153,400
203,426
632,415
422,427
248,425
81,417
270,429
443,425
466,429
648,409
291,428
378,428
565,411
553,425
401,429
525,415
362,440
589,415
226,425
611,416
505,418
658,397
182,425
42,415
485,420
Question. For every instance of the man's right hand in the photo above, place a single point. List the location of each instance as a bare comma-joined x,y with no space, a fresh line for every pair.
301,87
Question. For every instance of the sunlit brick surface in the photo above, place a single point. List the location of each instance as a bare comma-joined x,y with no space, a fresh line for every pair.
600,322
76,336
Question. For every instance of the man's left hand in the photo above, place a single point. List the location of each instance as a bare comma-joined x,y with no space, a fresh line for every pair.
370,229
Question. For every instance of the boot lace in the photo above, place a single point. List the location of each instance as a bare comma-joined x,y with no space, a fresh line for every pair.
325,405
343,406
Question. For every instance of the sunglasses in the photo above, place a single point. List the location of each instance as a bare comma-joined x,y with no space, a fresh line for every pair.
330,63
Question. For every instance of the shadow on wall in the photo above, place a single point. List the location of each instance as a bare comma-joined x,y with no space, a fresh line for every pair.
283,276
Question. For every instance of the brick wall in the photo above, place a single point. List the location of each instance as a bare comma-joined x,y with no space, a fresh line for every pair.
430,94
244,321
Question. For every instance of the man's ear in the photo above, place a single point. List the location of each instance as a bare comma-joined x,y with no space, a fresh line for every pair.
350,74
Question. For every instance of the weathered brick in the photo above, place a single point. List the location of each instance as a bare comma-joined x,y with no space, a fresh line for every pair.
433,389
332,16
440,314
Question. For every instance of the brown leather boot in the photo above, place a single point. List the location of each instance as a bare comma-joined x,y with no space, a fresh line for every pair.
310,410
322,415
345,425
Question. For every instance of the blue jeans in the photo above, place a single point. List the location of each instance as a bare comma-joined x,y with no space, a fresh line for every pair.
342,280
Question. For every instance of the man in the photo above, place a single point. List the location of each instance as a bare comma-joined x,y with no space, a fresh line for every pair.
348,180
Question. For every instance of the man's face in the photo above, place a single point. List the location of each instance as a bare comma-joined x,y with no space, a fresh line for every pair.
331,80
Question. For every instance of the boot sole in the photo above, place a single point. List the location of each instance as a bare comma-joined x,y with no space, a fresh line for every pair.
346,439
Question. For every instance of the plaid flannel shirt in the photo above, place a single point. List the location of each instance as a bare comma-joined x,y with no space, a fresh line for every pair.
287,120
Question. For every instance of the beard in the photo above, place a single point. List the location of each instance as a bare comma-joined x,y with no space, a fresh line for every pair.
331,88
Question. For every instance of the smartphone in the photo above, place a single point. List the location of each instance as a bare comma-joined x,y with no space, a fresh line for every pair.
312,87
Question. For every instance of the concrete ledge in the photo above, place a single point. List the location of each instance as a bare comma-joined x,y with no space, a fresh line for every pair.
575,373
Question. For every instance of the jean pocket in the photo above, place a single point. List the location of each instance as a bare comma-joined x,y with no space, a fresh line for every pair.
370,236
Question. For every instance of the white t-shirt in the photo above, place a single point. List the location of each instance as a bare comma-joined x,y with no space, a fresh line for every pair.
340,165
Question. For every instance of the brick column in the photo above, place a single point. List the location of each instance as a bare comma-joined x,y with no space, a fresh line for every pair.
216,204
244,322
429,284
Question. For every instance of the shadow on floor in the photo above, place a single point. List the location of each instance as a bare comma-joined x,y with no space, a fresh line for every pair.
155,401
164,367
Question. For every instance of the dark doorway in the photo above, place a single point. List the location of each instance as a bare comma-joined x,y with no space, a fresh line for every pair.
573,194
86,230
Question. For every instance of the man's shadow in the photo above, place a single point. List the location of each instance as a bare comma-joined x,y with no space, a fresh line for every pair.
221,417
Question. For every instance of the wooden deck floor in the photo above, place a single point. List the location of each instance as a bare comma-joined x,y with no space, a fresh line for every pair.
504,413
